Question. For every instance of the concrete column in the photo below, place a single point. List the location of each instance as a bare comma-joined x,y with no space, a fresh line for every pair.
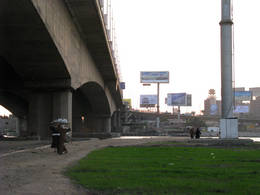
62,105
21,126
107,125
40,112
114,121
79,110
98,123
118,121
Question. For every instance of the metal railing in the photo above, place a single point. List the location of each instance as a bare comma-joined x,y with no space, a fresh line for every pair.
109,22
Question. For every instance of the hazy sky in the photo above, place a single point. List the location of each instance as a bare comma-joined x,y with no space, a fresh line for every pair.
183,37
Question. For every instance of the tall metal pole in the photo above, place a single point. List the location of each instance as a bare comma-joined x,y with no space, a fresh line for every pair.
158,106
226,59
179,112
228,124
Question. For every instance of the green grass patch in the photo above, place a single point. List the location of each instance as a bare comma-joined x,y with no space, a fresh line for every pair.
169,170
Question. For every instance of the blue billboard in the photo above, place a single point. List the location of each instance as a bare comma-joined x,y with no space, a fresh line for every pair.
154,77
176,99
213,109
241,109
122,85
243,95
148,100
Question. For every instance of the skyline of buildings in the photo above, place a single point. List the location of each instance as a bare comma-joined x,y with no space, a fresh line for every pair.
246,103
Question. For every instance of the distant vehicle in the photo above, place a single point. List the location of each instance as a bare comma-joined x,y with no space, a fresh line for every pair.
213,129
10,133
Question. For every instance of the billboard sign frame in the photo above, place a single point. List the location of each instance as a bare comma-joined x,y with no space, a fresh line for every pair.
154,77
241,109
189,100
127,102
213,109
176,99
148,101
122,85
243,95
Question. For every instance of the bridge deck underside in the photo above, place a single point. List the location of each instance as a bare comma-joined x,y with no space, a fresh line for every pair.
27,45
86,15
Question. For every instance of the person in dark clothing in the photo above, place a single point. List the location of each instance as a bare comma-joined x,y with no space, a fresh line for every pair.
198,133
192,133
55,137
61,147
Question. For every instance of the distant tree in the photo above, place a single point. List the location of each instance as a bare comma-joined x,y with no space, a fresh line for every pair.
196,122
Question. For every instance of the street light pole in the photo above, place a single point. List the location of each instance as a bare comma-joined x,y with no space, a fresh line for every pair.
226,59
158,106
228,124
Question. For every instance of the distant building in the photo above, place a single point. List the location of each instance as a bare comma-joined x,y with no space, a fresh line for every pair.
8,125
239,89
246,104
212,107
219,107
255,107
255,91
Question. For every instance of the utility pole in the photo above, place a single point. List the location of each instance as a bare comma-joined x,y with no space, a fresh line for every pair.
228,124
226,59
158,106
179,113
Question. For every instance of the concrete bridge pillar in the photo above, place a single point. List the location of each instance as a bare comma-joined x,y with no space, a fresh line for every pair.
98,123
40,114
118,120
79,125
44,107
107,125
114,121
21,126
62,105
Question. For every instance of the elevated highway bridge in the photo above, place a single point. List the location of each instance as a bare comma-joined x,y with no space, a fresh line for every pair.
56,62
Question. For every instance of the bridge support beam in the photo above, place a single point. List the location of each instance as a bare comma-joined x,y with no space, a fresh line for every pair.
62,105
107,124
116,121
21,126
40,114
45,107
99,123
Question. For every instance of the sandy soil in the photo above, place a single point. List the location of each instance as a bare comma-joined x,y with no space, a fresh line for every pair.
40,170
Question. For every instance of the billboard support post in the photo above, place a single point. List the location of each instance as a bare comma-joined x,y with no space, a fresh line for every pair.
147,77
179,112
158,106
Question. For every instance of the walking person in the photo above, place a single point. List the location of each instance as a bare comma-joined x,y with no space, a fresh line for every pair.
192,133
198,133
55,137
61,146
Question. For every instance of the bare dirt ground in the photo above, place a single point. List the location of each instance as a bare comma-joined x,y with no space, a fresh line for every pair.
39,170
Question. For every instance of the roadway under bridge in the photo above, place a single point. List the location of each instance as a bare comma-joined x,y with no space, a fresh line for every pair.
56,62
